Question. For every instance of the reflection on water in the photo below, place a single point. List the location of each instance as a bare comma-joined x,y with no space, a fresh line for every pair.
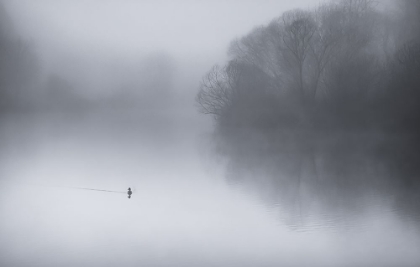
335,202
327,180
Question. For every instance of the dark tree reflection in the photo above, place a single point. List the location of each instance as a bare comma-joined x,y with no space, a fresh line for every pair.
336,178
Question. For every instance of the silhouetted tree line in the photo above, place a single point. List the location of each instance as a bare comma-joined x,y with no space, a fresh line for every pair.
342,66
323,106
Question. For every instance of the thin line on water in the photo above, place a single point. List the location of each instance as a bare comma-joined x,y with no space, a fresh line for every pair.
74,187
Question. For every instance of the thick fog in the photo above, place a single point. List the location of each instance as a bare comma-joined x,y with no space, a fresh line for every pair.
93,41
209,133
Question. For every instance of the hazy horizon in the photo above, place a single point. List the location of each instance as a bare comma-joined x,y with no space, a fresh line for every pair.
252,133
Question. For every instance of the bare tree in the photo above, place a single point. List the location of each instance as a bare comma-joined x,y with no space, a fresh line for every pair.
215,92
299,29
294,57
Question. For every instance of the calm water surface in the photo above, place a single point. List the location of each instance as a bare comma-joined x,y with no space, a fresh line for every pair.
190,207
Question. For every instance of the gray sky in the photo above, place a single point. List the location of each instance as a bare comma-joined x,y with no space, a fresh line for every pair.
195,31
179,27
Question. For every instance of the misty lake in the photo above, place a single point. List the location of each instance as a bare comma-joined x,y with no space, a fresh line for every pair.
249,133
190,206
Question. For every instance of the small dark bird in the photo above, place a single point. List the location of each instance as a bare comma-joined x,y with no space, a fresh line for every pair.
129,192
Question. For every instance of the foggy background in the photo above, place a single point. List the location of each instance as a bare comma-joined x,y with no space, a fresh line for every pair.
252,133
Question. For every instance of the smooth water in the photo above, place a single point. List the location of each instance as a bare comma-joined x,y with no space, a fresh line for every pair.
190,206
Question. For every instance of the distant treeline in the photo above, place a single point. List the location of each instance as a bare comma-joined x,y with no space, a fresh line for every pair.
345,65
19,67
26,85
